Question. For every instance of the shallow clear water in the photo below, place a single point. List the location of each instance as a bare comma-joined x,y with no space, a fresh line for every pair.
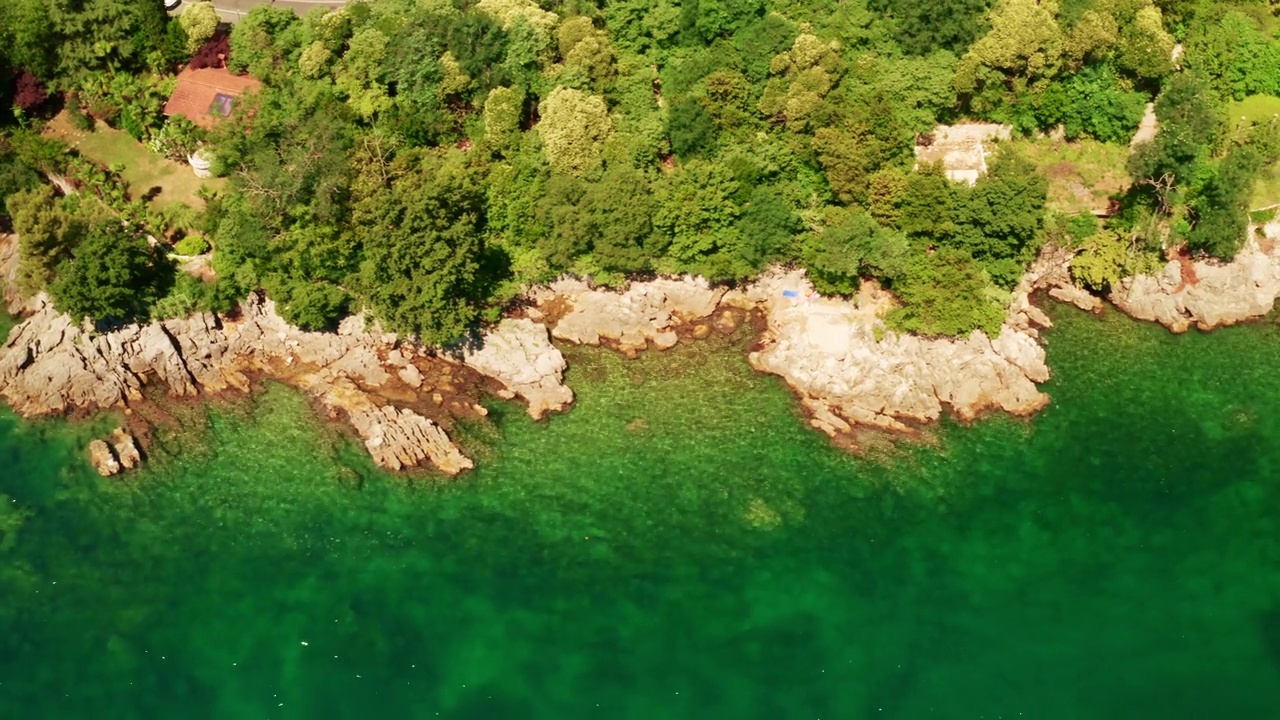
679,545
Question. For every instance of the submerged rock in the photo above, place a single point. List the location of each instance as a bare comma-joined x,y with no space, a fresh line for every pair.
125,448
102,459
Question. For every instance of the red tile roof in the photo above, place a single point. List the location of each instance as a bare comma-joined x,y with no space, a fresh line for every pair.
207,95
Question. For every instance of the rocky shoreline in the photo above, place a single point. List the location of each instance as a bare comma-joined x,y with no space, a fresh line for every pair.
1208,294
849,370
398,398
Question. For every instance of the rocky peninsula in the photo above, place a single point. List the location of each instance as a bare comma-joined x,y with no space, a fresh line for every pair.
849,371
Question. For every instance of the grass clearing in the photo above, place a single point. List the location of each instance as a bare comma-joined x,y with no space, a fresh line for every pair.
1266,191
1254,108
147,173
1083,175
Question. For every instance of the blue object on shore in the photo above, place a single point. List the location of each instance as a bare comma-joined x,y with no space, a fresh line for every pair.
790,293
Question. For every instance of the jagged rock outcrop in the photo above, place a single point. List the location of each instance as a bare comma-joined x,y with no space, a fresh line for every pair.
1051,271
50,366
13,300
1207,294
1078,296
519,354
396,438
850,371
645,312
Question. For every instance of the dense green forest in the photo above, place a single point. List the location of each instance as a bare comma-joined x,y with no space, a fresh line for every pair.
424,160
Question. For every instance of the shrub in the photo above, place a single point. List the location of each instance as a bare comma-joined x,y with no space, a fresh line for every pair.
31,94
213,53
191,245
177,139
76,115
200,21
132,124
945,293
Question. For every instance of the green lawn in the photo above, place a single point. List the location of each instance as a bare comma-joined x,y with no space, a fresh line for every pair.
144,171
1254,108
1083,175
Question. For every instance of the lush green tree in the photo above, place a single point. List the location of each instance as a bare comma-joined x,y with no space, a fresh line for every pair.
768,225
98,35
1220,205
574,128
927,206
479,44
641,26
361,73
840,255
725,95
1143,47
568,220
1102,261
870,138
722,18
263,40
1190,123
509,13
1235,56
16,174
945,293
503,110
923,28
199,21
423,248
112,277
413,68
758,43
48,233
588,50
919,91
698,213
1000,217
1094,102
314,305
692,129
802,77
28,37
886,193
1022,51
621,211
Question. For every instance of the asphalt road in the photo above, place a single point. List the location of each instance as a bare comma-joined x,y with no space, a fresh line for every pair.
233,10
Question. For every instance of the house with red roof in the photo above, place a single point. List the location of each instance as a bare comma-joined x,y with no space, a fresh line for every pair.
207,95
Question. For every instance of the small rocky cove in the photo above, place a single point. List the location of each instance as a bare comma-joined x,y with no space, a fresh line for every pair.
850,373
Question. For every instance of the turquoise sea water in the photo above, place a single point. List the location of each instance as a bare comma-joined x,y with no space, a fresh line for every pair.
680,545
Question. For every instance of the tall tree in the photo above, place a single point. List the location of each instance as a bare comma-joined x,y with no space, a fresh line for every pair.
574,128
424,249
47,235
111,278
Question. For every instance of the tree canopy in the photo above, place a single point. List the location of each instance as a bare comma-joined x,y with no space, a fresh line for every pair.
424,160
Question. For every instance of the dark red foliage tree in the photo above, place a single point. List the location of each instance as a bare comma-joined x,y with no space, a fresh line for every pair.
31,93
214,52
